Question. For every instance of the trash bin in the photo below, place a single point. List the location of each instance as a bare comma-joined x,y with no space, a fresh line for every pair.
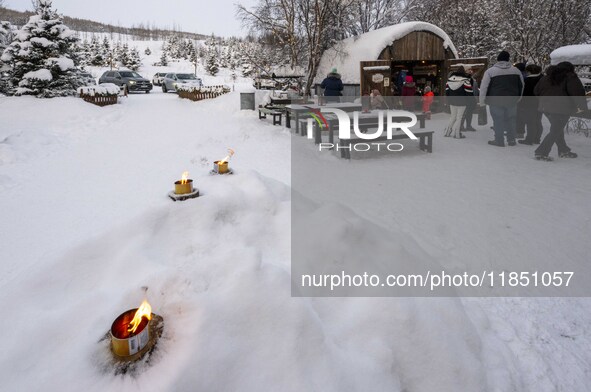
247,101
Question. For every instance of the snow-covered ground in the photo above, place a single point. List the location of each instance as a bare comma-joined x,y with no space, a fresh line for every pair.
86,223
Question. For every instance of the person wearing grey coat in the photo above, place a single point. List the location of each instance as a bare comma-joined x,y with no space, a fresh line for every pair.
501,89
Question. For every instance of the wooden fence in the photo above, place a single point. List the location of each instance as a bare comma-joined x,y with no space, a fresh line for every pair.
100,100
198,95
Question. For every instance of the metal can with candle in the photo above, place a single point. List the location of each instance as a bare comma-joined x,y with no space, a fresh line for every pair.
220,167
182,188
126,345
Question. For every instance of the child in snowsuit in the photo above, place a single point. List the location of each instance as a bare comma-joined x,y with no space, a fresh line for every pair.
427,99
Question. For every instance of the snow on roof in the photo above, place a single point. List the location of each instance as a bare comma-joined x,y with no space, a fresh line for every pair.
576,54
377,68
347,54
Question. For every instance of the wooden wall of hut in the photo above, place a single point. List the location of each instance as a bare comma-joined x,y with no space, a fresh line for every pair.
417,46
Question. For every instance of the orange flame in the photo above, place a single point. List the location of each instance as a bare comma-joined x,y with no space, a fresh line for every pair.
184,177
227,158
145,310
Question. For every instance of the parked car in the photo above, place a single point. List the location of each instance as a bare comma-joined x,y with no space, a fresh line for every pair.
87,78
157,78
130,80
171,80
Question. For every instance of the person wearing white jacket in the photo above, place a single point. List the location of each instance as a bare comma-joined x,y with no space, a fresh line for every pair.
458,91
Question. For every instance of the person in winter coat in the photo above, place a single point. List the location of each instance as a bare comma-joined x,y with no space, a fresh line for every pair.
377,100
528,106
561,94
459,92
332,85
472,103
427,100
409,89
520,125
501,89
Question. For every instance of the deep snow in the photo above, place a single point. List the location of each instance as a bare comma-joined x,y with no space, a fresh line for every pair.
86,223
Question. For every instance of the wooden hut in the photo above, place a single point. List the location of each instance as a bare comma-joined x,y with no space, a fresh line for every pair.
380,59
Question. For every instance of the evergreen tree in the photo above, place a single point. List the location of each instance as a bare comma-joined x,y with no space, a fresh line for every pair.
6,36
211,60
163,59
124,55
85,54
134,61
96,53
193,57
105,50
42,56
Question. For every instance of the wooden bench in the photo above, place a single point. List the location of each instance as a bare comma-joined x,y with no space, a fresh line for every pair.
263,112
425,142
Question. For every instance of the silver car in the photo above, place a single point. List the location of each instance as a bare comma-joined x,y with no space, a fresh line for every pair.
171,80
157,78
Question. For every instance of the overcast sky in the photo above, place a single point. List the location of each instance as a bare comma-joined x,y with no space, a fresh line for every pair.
196,16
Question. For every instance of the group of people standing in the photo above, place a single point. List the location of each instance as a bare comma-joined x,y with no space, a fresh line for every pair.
517,98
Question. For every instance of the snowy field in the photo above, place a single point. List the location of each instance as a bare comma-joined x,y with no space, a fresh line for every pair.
86,223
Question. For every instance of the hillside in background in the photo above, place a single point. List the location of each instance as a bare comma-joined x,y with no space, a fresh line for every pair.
140,32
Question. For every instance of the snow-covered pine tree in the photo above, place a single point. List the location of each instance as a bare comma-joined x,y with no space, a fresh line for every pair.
163,59
124,55
193,57
232,54
117,48
212,55
42,56
6,36
84,54
134,61
147,52
106,50
96,52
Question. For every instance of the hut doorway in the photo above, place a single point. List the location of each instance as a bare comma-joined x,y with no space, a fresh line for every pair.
388,76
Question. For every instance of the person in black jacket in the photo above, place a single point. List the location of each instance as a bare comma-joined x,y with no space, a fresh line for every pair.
332,85
528,106
471,106
561,94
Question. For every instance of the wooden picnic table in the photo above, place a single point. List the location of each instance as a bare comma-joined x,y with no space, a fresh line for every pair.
366,121
297,111
289,100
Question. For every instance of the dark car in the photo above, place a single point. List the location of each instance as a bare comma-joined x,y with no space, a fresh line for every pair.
130,80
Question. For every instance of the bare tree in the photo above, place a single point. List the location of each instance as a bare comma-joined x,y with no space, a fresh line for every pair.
304,28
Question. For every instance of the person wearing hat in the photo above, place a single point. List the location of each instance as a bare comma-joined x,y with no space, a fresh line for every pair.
332,85
501,89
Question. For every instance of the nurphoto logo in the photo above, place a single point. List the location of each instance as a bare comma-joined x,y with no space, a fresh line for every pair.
362,133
